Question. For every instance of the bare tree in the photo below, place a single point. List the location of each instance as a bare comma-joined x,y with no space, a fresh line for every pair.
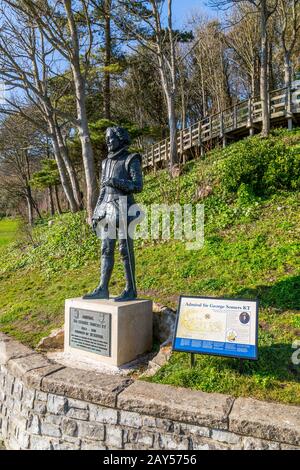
144,24
107,7
60,22
73,55
265,13
104,14
211,58
140,98
244,39
265,9
25,62
19,155
288,25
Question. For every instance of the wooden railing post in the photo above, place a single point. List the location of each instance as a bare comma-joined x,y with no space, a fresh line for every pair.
146,159
152,158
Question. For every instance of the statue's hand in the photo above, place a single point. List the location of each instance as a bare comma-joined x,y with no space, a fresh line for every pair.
94,225
122,184
108,182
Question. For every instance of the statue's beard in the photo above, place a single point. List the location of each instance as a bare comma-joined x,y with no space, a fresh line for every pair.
115,152
113,148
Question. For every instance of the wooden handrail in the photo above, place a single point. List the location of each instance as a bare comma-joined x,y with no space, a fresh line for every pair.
240,115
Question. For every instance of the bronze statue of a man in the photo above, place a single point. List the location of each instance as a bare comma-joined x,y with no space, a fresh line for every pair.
121,178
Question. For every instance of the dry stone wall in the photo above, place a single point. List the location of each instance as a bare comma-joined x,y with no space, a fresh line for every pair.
45,406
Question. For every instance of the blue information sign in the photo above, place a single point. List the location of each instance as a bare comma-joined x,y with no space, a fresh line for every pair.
223,327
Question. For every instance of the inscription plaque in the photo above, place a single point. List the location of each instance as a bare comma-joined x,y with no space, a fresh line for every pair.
90,331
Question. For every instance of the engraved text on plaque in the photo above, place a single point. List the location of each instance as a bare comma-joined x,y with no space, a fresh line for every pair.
90,331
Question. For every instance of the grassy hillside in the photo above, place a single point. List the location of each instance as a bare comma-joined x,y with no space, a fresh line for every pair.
252,239
8,229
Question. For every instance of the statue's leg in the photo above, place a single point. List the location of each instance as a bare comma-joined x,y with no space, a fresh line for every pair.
107,261
107,264
127,256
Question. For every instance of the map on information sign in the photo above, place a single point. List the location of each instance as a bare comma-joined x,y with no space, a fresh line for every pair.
217,326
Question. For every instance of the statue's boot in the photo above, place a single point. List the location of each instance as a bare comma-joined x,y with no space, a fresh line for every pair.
102,292
130,291
98,293
127,294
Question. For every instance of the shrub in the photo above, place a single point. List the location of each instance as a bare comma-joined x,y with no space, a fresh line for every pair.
263,165
67,244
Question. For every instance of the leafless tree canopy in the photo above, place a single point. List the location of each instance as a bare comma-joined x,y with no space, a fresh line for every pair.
73,67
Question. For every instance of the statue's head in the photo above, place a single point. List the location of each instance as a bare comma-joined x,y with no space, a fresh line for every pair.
116,138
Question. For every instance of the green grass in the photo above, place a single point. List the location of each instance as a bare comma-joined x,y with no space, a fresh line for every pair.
252,247
8,229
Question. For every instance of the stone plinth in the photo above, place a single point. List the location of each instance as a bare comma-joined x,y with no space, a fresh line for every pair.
113,333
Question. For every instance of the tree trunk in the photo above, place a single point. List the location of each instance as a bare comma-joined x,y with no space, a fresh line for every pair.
35,206
255,77
171,92
287,69
271,79
70,168
61,168
86,145
82,122
51,204
203,94
29,205
58,207
107,61
287,84
252,80
264,95
173,130
183,108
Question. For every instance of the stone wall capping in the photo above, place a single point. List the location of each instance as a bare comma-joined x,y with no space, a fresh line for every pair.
101,389
266,420
11,349
34,377
45,405
177,403
21,365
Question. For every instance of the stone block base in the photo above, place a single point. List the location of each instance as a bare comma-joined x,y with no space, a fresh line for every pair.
113,333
